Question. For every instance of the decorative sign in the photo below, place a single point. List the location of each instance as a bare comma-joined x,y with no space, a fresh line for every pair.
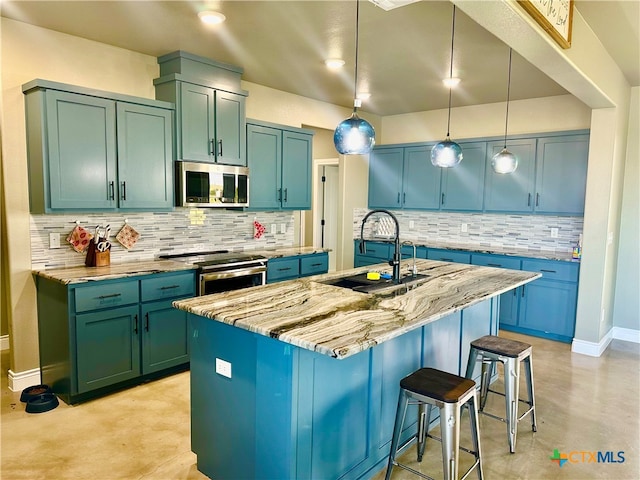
554,16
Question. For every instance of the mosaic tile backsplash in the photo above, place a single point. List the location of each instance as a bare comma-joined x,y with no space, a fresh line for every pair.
531,232
182,230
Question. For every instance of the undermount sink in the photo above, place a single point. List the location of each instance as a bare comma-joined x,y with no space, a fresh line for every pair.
360,283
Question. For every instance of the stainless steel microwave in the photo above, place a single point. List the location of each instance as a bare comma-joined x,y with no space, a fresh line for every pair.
211,185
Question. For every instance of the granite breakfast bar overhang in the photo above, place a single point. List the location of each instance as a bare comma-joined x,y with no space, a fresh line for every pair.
314,368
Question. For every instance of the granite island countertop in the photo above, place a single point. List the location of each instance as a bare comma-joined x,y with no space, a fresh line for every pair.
340,322
80,274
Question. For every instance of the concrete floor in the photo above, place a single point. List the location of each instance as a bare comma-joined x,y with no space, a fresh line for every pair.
584,404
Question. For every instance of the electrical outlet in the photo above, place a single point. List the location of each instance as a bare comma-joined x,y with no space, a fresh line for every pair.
412,224
223,368
274,229
54,240
463,227
283,228
554,233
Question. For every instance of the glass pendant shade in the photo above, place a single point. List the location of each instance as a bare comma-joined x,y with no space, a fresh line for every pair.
446,154
504,162
354,136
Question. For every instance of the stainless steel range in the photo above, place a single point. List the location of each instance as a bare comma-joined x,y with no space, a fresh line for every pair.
221,270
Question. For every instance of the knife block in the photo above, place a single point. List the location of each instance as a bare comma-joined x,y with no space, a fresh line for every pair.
103,259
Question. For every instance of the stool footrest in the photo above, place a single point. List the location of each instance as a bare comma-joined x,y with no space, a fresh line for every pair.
520,399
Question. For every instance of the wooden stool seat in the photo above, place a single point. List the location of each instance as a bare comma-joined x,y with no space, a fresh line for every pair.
437,384
501,346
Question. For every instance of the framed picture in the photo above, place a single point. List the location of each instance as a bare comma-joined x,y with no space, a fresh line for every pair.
554,16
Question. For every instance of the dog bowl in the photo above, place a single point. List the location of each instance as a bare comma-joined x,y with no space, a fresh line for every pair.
33,391
42,403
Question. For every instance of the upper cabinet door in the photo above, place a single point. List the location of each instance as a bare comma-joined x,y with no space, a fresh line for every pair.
197,123
385,178
421,179
230,128
264,153
561,176
296,170
463,185
512,192
82,151
145,157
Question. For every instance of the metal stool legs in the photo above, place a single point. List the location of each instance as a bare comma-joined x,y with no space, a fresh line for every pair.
450,413
517,353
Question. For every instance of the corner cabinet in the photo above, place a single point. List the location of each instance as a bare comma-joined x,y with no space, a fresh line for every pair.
99,336
280,161
96,151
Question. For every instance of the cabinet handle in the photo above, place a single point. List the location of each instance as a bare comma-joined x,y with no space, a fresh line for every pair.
285,195
212,150
442,199
279,194
548,271
220,147
398,201
529,200
169,287
493,265
404,198
110,296
146,322
514,291
316,264
537,199
284,269
112,192
124,190
446,259
523,291
135,325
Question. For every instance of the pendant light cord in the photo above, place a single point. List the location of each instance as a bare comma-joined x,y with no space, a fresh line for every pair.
355,80
506,121
453,30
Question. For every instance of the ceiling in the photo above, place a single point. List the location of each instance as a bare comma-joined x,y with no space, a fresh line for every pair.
403,53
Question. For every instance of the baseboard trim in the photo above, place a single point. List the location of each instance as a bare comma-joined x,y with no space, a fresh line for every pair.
4,342
18,381
626,334
592,349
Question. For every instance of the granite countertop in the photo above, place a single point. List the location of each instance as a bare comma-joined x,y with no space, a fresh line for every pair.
68,275
340,322
560,255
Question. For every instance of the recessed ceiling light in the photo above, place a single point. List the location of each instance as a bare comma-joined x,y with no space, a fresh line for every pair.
451,82
334,63
211,18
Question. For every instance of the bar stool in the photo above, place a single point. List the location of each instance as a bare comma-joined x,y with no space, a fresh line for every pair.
450,393
491,349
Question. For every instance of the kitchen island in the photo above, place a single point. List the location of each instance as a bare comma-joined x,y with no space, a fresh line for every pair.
300,379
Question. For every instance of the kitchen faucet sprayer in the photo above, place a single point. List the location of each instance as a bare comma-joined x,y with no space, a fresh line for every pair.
395,261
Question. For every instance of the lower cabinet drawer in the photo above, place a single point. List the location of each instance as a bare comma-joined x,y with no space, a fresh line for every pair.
496,261
178,285
553,270
314,265
449,256
106,295
281,269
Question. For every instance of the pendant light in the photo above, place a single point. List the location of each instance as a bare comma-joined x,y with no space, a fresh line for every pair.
448,153
354,136
504,161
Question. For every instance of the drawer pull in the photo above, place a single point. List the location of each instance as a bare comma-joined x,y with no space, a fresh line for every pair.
110,296
548,271
284,269
493,265
446,259
316,264
135,325
170,287
146,322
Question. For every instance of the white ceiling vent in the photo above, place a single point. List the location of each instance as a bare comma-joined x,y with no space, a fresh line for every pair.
391,4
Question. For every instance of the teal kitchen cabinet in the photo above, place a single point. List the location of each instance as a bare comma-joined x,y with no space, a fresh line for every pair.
98,336
511,192
403,177
561,174
508,301
279,160
548,305
212,125
96,151
298,266
462,187
445,255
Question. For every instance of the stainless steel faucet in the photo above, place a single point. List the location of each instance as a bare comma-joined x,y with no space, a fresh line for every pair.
395,261
414,269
